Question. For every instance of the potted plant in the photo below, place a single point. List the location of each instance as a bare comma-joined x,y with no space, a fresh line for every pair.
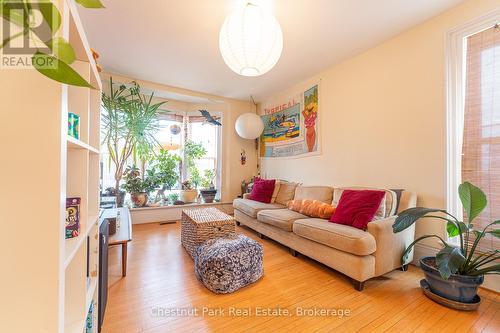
456,271
208,190
167,165
188,193
139,187
129,124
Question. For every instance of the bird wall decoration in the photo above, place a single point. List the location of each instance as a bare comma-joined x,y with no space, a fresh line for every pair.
209,118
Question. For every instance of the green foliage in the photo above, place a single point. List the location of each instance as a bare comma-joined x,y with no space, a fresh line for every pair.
56,66
173,197
168,165
195,177
208,178
134,183
90,3
129,124
457,260
58,70
192,152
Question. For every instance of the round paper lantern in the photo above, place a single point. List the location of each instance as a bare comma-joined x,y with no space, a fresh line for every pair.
249,126
251,40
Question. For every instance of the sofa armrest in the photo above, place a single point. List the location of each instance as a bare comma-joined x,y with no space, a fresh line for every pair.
390,246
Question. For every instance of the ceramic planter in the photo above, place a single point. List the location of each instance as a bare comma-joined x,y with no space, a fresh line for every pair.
460,288
208,195
188,196
139,199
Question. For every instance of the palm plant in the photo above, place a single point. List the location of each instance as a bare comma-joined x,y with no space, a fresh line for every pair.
462,260
129,123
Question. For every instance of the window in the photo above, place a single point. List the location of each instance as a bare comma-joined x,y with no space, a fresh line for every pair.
474,115
177,128
481,138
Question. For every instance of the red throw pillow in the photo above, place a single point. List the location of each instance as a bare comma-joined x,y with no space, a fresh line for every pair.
262,190
357,208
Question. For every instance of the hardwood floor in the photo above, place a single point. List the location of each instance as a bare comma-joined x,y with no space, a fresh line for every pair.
160,277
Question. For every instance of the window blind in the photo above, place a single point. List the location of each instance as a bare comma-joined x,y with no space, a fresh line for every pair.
481,136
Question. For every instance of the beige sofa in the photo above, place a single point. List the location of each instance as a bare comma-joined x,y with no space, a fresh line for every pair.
358,254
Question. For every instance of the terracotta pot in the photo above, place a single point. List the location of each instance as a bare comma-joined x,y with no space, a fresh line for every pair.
188,196
139,199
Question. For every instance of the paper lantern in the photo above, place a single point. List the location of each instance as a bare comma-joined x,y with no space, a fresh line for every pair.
251,40
249,126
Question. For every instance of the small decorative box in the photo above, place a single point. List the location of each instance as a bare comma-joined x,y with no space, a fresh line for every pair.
74,125
72,217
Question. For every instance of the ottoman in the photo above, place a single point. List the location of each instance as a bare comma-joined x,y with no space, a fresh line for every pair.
227,264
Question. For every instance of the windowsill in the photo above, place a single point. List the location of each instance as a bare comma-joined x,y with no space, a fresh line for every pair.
192,205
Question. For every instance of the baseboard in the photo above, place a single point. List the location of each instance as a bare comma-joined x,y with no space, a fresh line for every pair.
491,282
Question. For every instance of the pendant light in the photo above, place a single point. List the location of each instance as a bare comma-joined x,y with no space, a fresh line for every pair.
251,40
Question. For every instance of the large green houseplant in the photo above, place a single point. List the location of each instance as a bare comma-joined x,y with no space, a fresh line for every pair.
456,271
129,125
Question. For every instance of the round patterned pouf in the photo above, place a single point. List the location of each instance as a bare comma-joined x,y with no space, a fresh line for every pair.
225,265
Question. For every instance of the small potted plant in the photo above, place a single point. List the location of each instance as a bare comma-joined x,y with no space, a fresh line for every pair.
188,194
456,272
139,187
208,190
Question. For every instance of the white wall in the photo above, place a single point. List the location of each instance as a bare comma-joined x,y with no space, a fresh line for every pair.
382,116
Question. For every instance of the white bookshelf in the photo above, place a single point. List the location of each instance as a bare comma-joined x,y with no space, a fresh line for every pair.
47,288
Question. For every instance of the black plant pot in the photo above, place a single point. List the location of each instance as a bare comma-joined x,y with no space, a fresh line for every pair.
460,288
208,195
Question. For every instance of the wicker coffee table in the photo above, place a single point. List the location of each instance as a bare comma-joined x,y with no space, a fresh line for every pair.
201,224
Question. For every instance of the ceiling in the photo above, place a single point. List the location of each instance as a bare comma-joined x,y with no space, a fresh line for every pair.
176,42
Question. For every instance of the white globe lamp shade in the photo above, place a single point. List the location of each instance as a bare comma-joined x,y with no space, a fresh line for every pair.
249,126
251,40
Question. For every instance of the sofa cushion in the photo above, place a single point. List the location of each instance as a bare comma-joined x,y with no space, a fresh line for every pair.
286,192
251,207
357,207
312,208
320,193
387,206
279,218
262,190
337,236
276,189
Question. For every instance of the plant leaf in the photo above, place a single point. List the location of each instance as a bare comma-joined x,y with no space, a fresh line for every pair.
406,218
473,199
495,269
495,233
62,50
454,230
11,14
58,70
90,3
449,260
50,13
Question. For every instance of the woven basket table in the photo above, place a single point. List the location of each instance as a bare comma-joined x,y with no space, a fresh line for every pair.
199,225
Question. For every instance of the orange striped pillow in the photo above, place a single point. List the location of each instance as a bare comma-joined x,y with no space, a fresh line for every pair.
312,208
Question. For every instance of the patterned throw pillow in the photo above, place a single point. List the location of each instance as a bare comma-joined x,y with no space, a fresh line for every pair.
312,208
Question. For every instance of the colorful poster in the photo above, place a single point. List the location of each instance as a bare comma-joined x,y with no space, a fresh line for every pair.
291,129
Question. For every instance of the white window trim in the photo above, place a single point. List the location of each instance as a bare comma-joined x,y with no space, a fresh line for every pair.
456,46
